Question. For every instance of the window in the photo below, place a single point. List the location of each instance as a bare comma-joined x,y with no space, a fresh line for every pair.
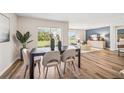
44,36
72,38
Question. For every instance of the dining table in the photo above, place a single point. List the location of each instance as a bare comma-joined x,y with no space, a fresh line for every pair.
42,51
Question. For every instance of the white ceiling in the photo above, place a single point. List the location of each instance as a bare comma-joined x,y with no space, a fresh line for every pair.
81,20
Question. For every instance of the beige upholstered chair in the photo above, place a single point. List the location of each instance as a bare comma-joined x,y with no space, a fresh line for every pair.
51,59
122,73
69,57
120,46
26,59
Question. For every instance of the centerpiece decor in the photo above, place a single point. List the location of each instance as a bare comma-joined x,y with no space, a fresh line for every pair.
52,42
59,43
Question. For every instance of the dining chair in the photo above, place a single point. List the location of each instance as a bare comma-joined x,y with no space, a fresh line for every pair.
26,58
52,59
68,56
120,48
122,73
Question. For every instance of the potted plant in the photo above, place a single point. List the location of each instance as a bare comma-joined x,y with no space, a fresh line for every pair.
59,42
23,39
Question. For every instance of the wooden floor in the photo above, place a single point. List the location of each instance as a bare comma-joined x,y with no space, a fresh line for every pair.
101,64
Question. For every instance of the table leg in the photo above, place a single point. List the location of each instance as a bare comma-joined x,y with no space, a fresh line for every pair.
118,52
31,67
79,54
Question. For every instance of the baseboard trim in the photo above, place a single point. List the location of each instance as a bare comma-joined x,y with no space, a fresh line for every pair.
9,69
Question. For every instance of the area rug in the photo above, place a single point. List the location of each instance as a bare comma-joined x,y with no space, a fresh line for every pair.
90,50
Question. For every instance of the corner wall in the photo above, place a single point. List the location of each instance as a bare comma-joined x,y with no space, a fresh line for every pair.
113,38
8,50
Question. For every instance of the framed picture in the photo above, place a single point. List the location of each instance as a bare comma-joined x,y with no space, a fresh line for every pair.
4,28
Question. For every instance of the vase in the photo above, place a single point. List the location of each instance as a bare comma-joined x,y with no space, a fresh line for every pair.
59,45
52,44
21,55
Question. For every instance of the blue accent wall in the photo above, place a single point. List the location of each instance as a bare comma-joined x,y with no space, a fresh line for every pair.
120,31
102,30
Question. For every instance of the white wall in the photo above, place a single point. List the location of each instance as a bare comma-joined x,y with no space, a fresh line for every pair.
84,35
112,38
8,50
31,24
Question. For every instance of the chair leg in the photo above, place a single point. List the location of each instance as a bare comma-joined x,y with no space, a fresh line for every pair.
64,67
73,65
46,72
43,69
26,68
58,71
39,67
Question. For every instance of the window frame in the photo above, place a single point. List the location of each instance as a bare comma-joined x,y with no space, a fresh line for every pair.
50,31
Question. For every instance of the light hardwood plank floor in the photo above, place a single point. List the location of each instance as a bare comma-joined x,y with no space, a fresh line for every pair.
103,64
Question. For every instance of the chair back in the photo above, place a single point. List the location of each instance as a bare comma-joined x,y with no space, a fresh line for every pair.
25,54
70,53
49,57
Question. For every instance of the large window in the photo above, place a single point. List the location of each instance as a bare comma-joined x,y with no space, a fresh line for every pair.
44,35
72,37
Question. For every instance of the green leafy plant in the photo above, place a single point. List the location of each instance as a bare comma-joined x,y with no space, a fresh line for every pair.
23,38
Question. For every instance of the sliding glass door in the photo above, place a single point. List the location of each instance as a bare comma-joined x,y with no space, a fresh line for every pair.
44,35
